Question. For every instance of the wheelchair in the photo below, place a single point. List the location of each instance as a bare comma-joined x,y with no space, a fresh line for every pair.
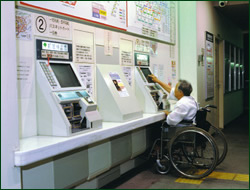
192,149
216,133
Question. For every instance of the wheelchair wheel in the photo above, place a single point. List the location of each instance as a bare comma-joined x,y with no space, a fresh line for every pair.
163,165
220,141
193,152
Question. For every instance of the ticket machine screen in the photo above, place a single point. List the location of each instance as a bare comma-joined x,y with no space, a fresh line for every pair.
147,72
65,75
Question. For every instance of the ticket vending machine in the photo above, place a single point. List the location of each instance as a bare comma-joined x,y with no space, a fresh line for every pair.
116,100
64,107
150,95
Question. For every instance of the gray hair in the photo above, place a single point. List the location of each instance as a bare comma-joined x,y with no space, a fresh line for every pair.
185,87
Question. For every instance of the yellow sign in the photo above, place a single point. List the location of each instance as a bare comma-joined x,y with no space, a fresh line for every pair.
104,13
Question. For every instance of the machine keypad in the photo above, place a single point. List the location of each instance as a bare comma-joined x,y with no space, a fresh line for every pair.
48,74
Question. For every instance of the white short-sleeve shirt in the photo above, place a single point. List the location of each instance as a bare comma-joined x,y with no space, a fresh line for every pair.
185,109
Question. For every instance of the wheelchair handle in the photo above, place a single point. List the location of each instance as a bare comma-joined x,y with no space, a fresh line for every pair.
210,106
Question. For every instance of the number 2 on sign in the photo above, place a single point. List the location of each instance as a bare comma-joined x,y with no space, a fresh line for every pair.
41,24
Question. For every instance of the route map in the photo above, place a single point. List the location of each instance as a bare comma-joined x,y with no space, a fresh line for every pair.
151,18
23,25
153,14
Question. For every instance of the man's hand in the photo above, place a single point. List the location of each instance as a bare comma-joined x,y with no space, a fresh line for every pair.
162,84
166,112
154,78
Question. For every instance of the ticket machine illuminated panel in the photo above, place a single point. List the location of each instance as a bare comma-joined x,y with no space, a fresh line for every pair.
60,51
141,59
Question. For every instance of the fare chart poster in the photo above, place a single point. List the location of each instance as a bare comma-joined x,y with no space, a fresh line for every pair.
154,19
111,13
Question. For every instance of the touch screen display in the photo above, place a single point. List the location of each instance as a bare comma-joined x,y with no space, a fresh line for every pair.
147,72
65,75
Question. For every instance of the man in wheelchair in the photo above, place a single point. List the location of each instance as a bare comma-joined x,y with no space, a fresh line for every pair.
186,107
190,150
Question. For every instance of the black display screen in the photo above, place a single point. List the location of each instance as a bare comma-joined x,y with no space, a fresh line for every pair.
147,72
65,75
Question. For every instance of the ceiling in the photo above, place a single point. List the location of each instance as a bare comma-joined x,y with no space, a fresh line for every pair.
236,11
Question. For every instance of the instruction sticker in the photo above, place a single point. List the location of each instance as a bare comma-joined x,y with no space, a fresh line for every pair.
84,53
127,71
118,84
85,72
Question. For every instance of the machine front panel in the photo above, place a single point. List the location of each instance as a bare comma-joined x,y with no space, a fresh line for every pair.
74,95
61,89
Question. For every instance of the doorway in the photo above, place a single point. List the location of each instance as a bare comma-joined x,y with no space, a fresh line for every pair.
219,83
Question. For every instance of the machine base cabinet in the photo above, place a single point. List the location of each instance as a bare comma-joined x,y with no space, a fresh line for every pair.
120,148
99,158
92,166
138,139
58,172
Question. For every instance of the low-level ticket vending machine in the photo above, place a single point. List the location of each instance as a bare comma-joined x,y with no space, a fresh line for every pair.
150,95
64,107
116,99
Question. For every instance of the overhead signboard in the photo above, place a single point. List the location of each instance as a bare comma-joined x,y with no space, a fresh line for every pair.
153,19
109,13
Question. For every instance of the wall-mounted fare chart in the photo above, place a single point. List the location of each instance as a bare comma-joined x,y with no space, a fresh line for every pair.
111,13
155,19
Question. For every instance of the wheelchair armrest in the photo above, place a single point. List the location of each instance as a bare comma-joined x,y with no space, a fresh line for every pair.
165,125
185,123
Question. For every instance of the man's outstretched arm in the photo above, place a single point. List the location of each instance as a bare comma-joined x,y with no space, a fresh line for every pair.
163,85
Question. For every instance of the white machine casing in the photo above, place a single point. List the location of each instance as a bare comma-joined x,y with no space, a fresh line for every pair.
111,105
143,90
51,119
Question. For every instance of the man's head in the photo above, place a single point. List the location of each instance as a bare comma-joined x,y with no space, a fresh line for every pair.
182,88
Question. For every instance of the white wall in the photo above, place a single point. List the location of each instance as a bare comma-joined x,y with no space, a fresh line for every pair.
209,20
187,44
10,175
195,18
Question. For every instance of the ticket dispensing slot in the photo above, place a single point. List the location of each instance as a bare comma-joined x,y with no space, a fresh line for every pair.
151,95
72,112
64,107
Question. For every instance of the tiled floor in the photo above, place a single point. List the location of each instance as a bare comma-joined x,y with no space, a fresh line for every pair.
232,173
